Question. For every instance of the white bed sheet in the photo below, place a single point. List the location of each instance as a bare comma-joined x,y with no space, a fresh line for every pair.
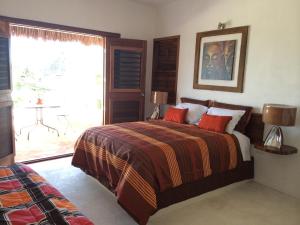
244,144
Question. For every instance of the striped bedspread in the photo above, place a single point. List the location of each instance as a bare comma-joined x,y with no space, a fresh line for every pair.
27,199
139,159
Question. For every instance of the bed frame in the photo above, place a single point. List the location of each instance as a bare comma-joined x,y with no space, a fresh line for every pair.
186,191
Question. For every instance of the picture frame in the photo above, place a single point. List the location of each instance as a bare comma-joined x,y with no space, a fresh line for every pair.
220,59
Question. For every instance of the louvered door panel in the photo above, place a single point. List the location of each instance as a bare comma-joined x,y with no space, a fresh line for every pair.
167,55
128,111
127,74
6,138
165,81
4,64
165,66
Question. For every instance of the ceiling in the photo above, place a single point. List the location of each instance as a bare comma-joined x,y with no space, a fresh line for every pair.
154,2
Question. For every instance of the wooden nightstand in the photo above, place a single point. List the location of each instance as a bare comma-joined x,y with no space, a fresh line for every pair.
285,149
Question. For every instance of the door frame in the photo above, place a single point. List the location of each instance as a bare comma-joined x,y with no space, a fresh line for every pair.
9,159
36,23
7,93
5,97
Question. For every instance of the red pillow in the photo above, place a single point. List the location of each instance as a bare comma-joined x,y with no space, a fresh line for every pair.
214,123
175,115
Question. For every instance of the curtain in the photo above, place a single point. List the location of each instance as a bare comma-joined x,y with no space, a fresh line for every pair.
54,35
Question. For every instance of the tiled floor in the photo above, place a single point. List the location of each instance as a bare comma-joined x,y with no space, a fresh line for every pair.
244,203
43,143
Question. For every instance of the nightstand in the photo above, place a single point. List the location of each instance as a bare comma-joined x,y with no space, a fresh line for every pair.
285,149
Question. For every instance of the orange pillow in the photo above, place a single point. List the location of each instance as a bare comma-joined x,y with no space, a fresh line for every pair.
214,123
175,115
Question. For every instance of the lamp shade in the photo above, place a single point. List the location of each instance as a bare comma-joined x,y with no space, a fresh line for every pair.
280,115
159,97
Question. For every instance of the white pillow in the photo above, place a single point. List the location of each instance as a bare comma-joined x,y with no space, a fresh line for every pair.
236,116
195,112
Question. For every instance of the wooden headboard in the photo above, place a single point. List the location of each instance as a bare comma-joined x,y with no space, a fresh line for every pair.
255,128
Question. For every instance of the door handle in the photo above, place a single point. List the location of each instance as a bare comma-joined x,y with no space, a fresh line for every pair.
142,94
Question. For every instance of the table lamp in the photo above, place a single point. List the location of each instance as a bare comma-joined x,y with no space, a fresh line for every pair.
158,98
278,115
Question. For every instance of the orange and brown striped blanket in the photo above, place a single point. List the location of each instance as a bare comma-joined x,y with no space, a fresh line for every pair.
137,160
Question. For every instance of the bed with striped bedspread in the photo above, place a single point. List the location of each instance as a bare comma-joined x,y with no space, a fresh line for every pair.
137,160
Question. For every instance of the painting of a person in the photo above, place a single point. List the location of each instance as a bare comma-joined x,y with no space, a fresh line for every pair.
218,60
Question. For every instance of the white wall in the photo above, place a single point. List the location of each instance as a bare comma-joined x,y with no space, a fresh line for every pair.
131,19
272,66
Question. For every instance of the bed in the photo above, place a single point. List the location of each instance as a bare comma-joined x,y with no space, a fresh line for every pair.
26,198
151,165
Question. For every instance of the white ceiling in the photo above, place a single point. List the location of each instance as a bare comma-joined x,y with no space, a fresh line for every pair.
155,2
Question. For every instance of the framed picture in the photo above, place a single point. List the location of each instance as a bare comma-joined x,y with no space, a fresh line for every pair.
220,59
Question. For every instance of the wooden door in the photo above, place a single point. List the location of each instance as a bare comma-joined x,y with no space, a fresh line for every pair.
165,66
7,139
125,80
